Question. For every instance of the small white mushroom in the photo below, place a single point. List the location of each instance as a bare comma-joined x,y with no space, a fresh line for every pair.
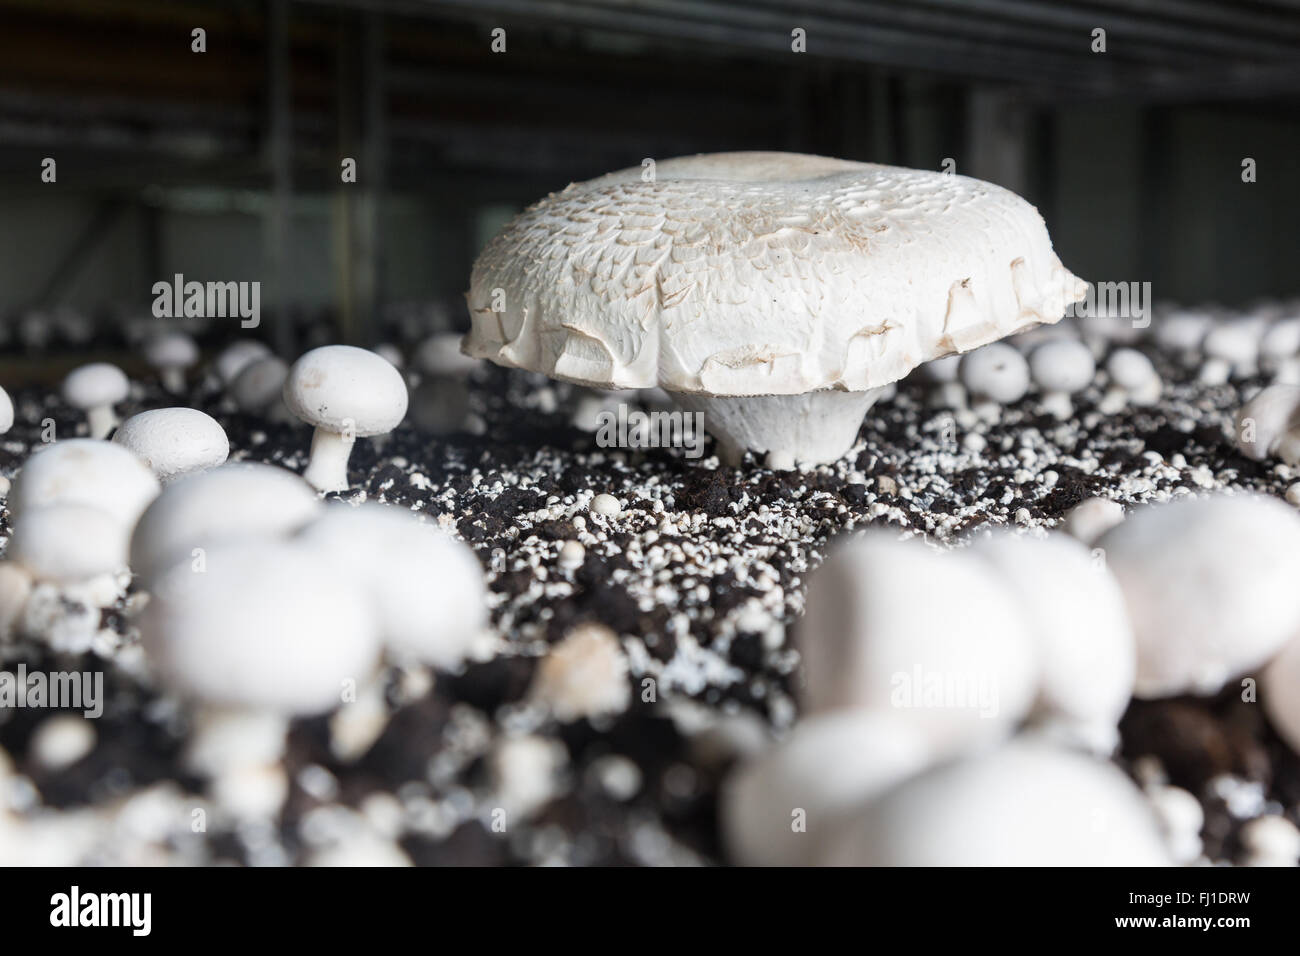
1270,840
1280,342
171,354
236,356
68,543
1091,518
1181,818
344,393
1182,333
1134,380
960,669
174,441
1025,804
426,586
1060,368
82,471
60,741
604,504
997,373
1086,652
777,809
1269,425
231,503
258,387
95,389
584,675
1231,350
1209,587
6,412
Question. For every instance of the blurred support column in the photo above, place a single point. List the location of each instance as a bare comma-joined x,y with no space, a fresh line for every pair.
997,136
276,231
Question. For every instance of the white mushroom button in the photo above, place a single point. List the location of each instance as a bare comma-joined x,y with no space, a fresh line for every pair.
1182,332
1134,380
174,441
607,505
427,587
345,393
68,543
258,386
996,373
778,808
1231,345
231,503
266,627
1269,425
236,356
874,636
171,354
1091,518
1280,342
1209,585
95,389
1025,804
81,471
783,353
1059,369
1086,653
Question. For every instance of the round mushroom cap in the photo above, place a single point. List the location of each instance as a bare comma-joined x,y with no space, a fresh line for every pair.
171,350
1182,331
427,587
1025,804
174,441
259,383
1282,340
1130,369
96,384
1210,588
391,354
230,503
1267,419
1236,342
237,355
1086,651
761,274
341,388
85,471
6,412
65,543
875,636
440,356
829,766
266,625
996,371
1062,365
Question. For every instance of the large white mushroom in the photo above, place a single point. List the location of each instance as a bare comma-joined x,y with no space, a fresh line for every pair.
776,293
95,389
426,586
896,627
1025,804
1210,588
174,441
231,503
344,393
82,471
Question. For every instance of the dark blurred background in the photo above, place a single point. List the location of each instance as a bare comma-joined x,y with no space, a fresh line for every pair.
225,165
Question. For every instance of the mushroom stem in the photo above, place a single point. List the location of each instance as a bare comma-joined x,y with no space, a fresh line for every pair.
101,420
812,428
328,469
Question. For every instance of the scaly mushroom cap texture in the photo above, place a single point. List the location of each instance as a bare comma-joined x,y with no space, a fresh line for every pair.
762,274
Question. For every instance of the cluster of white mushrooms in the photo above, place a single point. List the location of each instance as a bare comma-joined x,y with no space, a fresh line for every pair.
957,703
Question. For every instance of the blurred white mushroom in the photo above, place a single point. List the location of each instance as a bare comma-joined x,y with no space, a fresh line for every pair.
174,441
1209,587
236,356
344,393
6,412
68,543
1270,840
1060,368
1269,425
440,402
584,675
95,389
171,354
1231,351
1134,380
1181,333
1025,804
994,375
259,386
1091,518
81,471
391,354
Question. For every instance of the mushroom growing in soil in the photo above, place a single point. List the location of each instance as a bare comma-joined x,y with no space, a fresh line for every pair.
344,393
171,354
95,389
174,441
1060,369
258,389
1133,379
775,293
82,471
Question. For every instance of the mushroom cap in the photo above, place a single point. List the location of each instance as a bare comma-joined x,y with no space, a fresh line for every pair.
68,542
829,766
339,387
997,371
427,587
1282,340
440,356
877,636
1275,412
1182,331
171,349
1076,610
174,441
1210,588
1062,365
237,355
259,383
98,383
267,625
6,412
761,274
1130,369
230,503
1025,804
85,471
